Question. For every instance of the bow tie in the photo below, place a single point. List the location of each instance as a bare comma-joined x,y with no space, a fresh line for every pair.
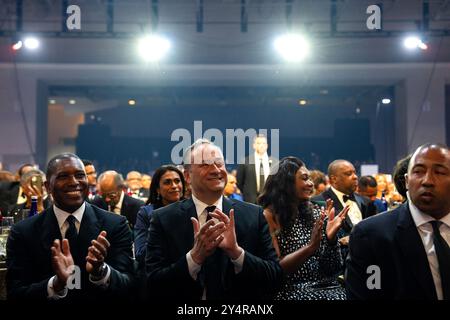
350,197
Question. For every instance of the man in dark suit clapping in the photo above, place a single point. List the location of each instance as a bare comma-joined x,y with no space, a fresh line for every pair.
405,253
43,251
193,257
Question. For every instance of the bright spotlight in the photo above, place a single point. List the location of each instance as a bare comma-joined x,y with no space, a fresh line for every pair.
131,102
292,47
31,43
16,46
153,48
72,101
302,102
386,101
413,43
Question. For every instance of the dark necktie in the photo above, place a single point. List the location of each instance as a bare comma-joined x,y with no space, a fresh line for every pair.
202,275
208,211
350,197
443,255
261,176
72,233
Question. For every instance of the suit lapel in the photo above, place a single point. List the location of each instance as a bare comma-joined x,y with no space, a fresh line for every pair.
89,230
412,247
227,205
222,258
363,206
187,212
50,229
348,225
336,203
124,205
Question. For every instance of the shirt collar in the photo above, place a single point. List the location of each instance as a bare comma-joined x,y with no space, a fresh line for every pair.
119,204
420,218
201,206
339,194
62,215
265,157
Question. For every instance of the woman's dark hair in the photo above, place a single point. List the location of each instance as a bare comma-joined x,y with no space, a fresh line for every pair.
401,168
156,179
279,191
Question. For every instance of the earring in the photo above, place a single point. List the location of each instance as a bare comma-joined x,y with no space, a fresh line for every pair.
158,197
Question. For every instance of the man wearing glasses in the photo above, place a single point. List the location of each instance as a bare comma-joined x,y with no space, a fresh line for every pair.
114,199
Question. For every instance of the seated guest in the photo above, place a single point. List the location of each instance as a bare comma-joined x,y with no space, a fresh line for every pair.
134,183
304,238
11,193
344,181
405,254
114,199
6,176
144,192
230,190
167,187
320,181
42,250
191,257
32,184
401,168
367,187
92,178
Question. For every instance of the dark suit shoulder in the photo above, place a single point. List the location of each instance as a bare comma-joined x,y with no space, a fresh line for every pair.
29,223
106,216
133,201
245,206
327,194
379,225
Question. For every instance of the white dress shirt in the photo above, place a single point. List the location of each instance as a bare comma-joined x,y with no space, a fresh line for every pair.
422,222
118,206
354,212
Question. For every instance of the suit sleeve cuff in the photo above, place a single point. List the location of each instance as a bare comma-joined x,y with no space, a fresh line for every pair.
102,282
193,267
51,294
239,262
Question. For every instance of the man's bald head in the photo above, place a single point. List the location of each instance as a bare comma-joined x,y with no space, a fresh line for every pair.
343,176
428,179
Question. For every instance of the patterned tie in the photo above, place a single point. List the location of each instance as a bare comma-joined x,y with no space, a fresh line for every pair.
72,233
443,255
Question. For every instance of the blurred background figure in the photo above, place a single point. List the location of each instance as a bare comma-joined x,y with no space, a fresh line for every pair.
113,197
6,176
91,174
11,192
32,184
367,187
320,181
252,175
134,183
401,168
144,192
231,190
382,186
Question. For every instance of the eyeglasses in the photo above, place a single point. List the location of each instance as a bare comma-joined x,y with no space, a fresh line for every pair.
110,195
